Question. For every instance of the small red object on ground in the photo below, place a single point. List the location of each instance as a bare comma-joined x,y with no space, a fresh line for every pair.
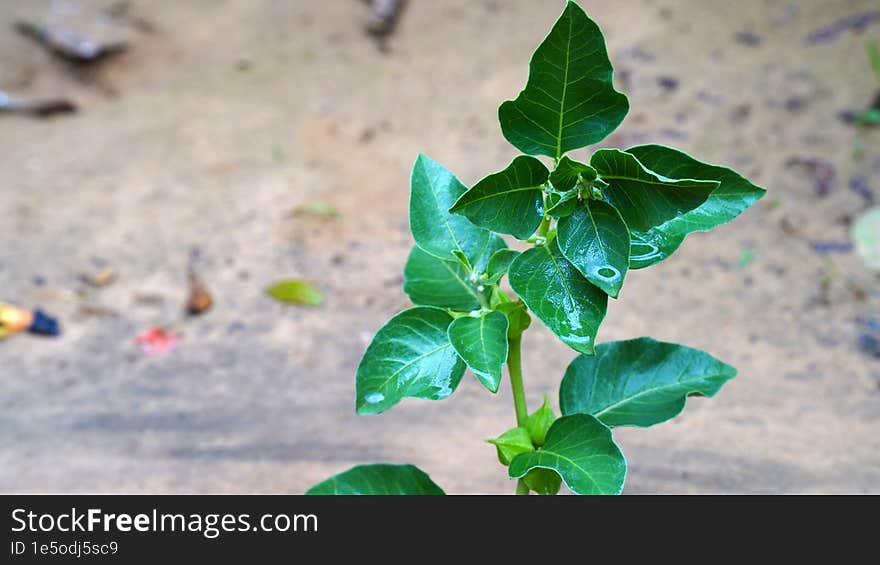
156,341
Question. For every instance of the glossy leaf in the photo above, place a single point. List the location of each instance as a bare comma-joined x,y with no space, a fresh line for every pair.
567,173
539,421
562,204
596,241
482,344
295,291
511,443
644,198
499,263
569,101
430,281
559,295
734,194
580,449
433,190
410,356
649,247
378,479
639,382
510,201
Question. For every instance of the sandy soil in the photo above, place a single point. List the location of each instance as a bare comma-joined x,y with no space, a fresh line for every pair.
226,115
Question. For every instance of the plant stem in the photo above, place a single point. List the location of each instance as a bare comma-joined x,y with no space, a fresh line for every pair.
514,369
544,227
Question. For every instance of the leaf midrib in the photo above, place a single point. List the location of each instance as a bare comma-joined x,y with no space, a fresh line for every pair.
545,451
596,229
648,391
694,183
411,363
495,195
466,286
443,214
564,89
563,281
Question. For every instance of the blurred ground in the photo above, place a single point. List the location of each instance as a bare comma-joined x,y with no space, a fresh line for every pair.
226,115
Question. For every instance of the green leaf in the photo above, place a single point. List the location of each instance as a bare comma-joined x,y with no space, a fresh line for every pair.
562,204
499,263
866,234
430,281
482,344
596,241
378,479
410,356
295,291
543,481
649,247
510,201
511,443
567,173
580,449
644,198
517,317
569,101
433,190
559,295
539,421
729,200
640,382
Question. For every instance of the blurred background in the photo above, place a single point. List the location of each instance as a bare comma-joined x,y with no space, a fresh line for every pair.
250,141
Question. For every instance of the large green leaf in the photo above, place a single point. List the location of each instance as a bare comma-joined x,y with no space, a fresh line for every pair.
409,356
639,382
729,200
510,201
652,246
580,449
380,478
596,241
559,295
433,190
644,198
430,281
482,343
569,101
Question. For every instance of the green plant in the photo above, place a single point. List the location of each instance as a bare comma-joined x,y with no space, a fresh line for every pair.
871,115
588,225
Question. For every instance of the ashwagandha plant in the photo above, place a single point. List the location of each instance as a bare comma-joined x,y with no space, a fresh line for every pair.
588,224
